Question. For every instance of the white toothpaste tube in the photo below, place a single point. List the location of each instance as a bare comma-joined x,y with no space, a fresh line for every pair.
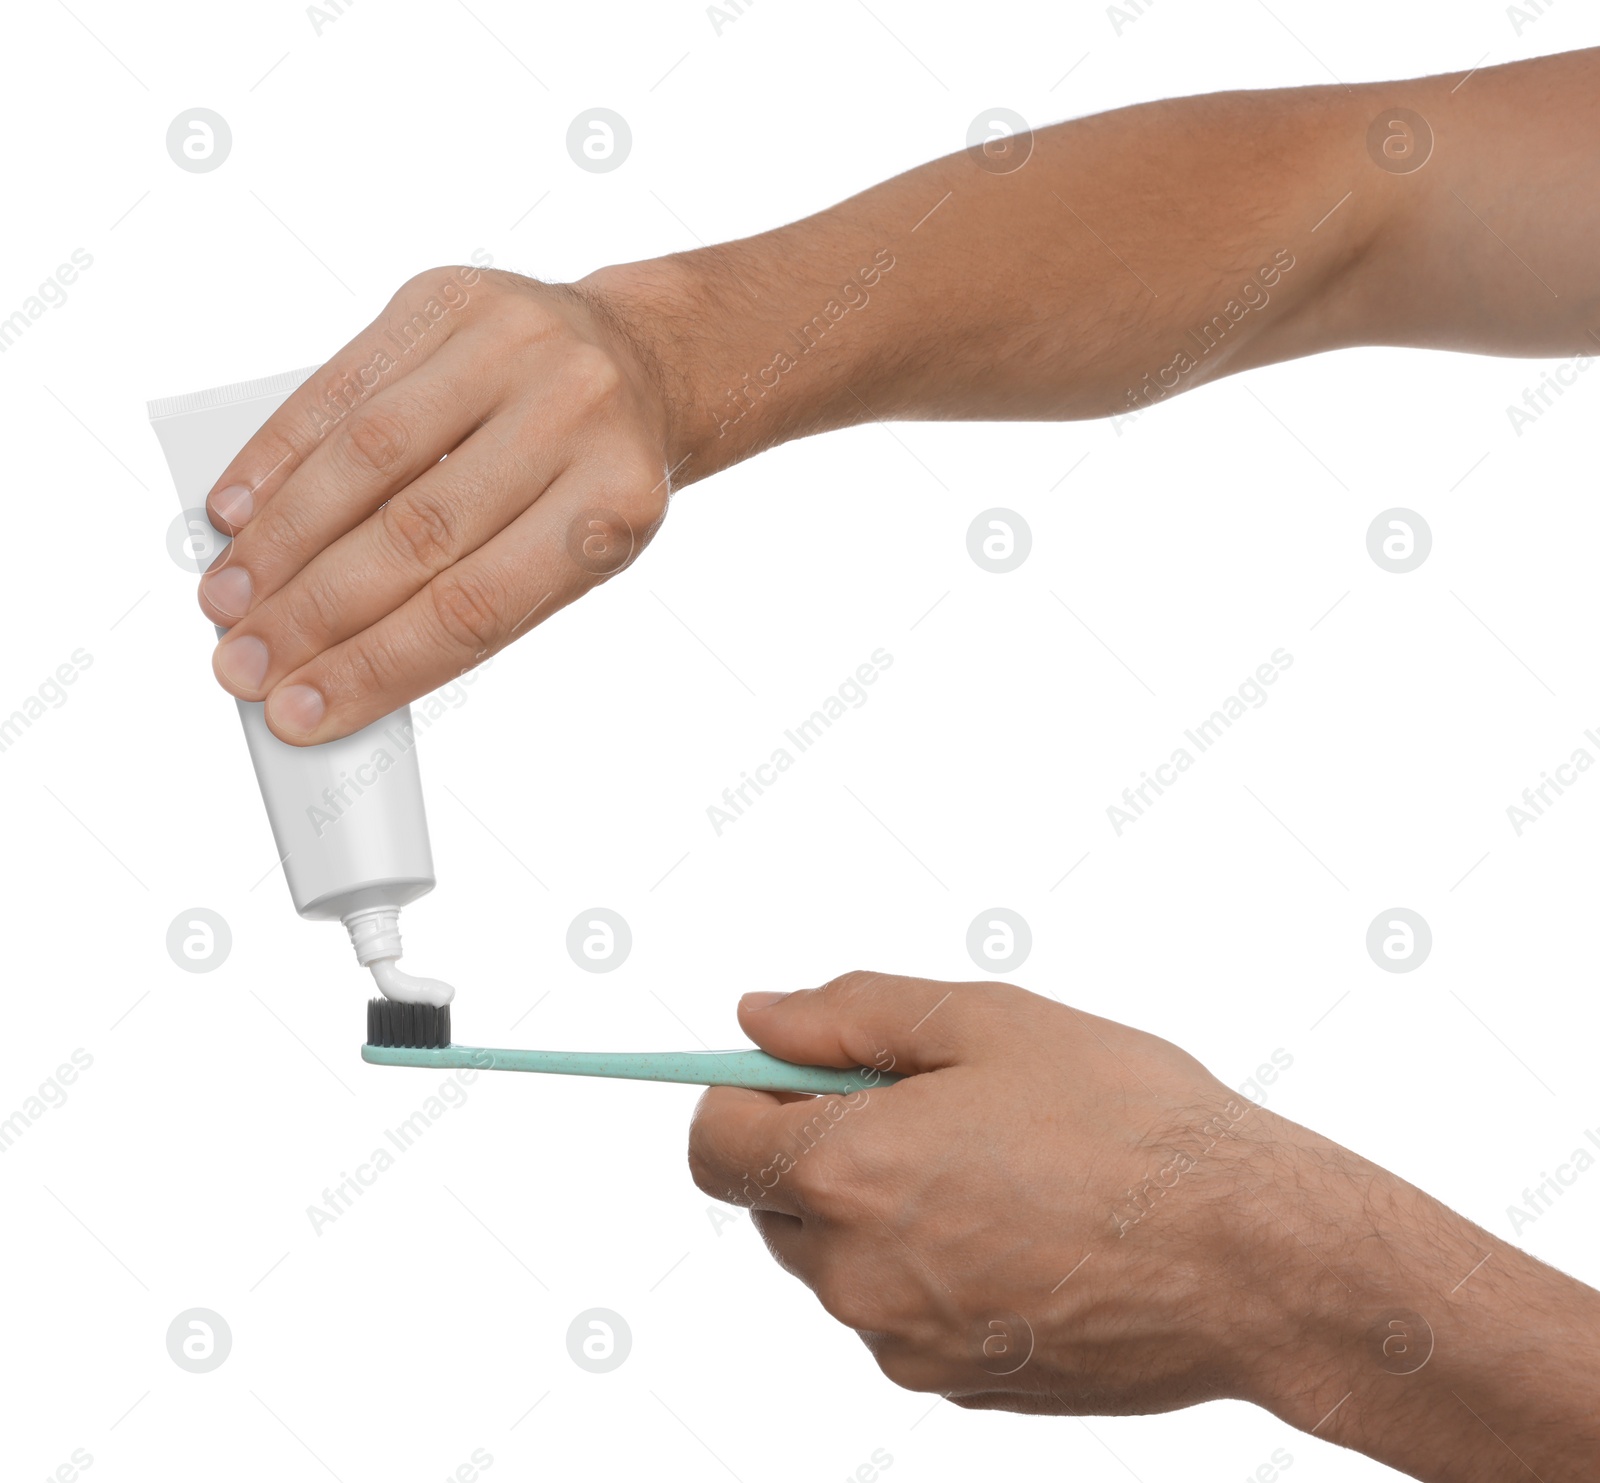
346,815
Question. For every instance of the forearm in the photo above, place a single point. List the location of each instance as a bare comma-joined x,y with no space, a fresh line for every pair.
1136,255
1418,1338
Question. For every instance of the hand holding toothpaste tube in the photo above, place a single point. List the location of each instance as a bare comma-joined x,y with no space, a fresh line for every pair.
1092,269
483,453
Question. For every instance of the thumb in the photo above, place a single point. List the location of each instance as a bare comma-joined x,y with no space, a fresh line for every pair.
879,1020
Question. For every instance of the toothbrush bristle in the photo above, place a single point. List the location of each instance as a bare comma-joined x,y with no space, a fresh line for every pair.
420,1026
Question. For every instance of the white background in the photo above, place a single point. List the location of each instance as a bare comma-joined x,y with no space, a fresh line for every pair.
1180,552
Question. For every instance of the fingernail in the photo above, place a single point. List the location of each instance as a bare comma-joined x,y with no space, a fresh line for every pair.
228,590
242,662
763,1000
296,708
235,504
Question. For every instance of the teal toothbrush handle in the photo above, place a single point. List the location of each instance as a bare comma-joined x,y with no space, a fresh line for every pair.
734,1068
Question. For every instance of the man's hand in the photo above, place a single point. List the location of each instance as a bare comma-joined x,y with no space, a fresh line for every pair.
1057,1213
365,571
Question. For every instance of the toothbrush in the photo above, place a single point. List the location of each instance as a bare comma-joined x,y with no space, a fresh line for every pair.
401,1034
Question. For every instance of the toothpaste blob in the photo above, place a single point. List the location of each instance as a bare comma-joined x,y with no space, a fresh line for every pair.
347,815
407,988
375,935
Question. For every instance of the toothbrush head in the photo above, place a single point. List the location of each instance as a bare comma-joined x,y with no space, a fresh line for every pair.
416,1026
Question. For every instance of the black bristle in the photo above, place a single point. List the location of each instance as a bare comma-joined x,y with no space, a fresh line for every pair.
418,1026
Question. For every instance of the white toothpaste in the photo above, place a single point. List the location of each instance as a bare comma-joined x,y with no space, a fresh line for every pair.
346,815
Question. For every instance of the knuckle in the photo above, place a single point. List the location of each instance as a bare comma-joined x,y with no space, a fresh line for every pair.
467,609
592,377
851,1305
652,507
603,539
425,284
853,980
701,1172
411,287
428,301
1004,995
854,985
907,1370
711,1166
377,442
420,529
370,666
278,539
300,619
823,1181
711,1178
315,606
645,503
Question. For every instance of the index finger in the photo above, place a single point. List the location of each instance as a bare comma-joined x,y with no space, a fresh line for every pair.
737,1148
411,328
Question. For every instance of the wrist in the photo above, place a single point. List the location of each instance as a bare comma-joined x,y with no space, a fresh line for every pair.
677,316
755,342
656,309
1407,1333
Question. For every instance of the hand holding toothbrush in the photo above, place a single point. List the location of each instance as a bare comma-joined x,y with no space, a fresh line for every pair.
1056,1213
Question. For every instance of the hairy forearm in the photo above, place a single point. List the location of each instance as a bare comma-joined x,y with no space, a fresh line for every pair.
1416,1337
1138,254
